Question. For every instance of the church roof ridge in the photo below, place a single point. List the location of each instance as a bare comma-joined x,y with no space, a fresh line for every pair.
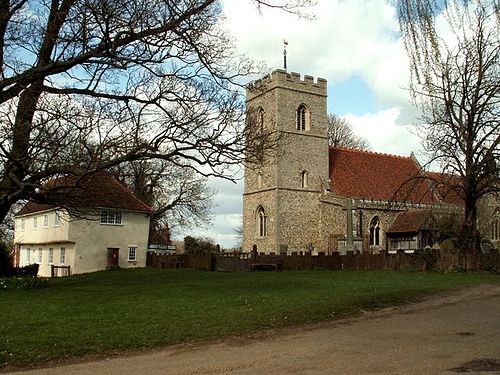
355,150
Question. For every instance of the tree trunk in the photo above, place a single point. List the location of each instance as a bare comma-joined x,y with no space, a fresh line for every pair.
17,168
469,238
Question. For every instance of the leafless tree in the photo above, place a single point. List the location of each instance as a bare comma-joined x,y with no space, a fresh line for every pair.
456,84
340,134
86,85
179,196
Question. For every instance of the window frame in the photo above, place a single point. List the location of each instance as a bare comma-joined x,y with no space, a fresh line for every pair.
51,255
304,183
130,249
261,119
495,225
46,220
62,255
302,120
375,231
261,222
57,219
35,222
40,255
111,216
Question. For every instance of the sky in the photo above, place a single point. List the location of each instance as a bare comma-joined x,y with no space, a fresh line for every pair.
354,45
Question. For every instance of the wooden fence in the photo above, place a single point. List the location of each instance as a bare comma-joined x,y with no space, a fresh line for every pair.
351,261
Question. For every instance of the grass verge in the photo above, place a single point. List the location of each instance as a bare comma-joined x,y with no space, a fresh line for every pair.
108,312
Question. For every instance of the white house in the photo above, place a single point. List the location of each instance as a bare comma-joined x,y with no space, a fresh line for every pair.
107,228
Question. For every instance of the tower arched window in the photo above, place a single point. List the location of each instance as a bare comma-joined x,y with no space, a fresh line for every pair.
375,231
303,179
495,224
261,222
302,118
260,119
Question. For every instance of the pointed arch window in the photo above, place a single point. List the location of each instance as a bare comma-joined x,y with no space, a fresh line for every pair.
260,119
375,231
261,222
302,118
495,224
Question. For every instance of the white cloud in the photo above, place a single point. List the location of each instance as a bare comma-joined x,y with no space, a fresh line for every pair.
347,37
383,132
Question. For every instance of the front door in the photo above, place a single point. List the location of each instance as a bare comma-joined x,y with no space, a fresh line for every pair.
113,257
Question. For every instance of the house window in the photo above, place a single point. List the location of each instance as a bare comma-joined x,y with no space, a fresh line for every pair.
40,256
375,232
23,224
28,255
303,179
57,219
51,255
111,216
302,118
35,222
132,253
45,220
261,222
495,224
62,259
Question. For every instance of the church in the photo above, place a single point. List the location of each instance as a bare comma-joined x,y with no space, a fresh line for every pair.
309,197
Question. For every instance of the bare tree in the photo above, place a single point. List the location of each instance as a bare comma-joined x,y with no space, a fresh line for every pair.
86,85
456,84
340,134
179,196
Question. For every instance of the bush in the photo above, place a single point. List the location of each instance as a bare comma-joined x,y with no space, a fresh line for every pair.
26,282
199,246
29,270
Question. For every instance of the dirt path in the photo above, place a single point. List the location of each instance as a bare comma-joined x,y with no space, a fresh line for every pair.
430,337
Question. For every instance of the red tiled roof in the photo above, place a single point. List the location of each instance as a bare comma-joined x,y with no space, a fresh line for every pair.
445,186
370,175
409,221
99,190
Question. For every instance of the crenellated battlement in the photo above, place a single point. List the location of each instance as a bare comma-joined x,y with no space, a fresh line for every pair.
284,79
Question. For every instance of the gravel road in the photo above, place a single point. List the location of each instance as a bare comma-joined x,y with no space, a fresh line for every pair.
447,334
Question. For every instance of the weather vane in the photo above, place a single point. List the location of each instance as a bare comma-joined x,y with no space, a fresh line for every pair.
285,43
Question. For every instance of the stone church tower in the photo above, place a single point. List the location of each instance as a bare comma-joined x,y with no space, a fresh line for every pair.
281,202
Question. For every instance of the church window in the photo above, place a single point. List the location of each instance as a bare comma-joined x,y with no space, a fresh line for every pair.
259,180
260,120
261,222
303,179
495,224
302,118
375,232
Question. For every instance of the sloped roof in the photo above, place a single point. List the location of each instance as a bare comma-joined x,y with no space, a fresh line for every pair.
99,190
410,221
371,175
443,185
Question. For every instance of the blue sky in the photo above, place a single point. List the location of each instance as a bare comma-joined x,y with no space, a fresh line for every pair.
355,46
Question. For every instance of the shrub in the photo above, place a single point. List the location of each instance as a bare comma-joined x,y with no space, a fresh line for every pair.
26,282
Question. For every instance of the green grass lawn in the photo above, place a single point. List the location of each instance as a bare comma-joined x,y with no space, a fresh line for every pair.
106,312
